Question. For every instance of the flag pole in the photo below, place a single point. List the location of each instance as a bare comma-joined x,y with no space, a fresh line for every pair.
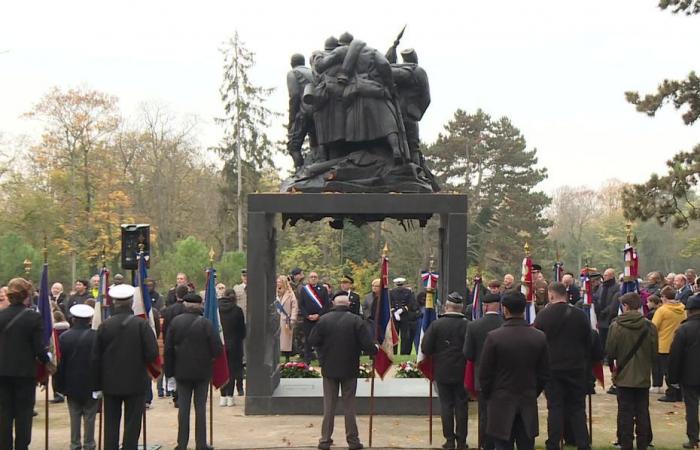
46,392
429,292
211,382
99,426
99,401
377,303
141,248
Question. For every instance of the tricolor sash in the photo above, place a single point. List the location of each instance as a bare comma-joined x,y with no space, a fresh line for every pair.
311,292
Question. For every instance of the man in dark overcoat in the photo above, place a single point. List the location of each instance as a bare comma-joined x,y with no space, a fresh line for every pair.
21,346
124,347
190,349
72,378
443,341
513,372
473,346
569,341
340,336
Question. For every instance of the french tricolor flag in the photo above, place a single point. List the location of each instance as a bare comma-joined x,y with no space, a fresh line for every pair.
142,308
385,331
220,373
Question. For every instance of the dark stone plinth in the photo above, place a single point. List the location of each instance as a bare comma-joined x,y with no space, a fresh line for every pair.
262,344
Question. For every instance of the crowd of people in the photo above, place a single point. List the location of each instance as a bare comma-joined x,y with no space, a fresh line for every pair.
109,363
648,338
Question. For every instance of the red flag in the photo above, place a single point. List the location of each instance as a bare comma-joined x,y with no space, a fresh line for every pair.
470,378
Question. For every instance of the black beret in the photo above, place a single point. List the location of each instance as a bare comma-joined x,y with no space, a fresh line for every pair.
296,271
192,298
536,267
492,298
693,302
454,297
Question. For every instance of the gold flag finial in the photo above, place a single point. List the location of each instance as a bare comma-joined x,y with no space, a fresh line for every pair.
27,265
211,256
628,229
385,250
431,265
527,249
103,257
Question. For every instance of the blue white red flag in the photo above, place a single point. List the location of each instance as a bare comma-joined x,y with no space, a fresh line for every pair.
477,305
385,331
527,290
220,373
143,308
49,337
102,299
558,271
630,280
589,307
425,362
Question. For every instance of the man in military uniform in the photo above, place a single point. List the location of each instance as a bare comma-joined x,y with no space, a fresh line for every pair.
414,97
313,303
513,372
473,345
404,308
301,122
125,346
347,286
444,340
21,346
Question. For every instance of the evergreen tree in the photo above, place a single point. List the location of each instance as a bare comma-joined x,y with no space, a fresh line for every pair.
489,161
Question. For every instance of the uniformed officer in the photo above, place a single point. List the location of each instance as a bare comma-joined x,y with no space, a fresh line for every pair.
301,122
125,346
404,308
21,346
473,345
73,372
444,340
347,286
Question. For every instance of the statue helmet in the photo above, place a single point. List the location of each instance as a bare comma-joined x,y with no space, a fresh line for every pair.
409,56
330,44
345,38
297,60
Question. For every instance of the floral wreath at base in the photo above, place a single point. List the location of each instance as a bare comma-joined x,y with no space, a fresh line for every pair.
408,369
365,371
297,370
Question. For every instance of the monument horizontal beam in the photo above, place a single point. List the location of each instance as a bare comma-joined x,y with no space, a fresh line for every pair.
345,204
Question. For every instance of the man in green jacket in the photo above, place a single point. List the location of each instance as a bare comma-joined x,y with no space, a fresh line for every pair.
632,342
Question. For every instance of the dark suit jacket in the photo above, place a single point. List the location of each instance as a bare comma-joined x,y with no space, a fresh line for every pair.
475,338
121,353
21,344
190,347
514,370
308,306
74,370
443,340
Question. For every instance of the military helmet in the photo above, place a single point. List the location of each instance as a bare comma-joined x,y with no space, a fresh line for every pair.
409,56
297,60
330,44
345,38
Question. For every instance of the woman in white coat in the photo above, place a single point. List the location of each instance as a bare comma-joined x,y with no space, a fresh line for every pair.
287,308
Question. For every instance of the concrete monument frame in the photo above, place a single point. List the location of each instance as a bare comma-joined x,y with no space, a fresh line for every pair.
262,344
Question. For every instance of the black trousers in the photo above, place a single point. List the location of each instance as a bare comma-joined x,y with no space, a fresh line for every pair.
133,414
187,390
17,397
690,397
485,440
308,348
566,400
407,332
633,415
453,412
517,436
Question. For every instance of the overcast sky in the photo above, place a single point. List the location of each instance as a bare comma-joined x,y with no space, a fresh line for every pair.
558,69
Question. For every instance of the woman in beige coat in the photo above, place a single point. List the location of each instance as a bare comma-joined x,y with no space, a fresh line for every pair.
287,309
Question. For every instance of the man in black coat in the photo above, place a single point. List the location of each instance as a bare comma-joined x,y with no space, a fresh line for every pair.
21,346
313,303
568,334
443,341
473,346
191,347
78,298
234,329
340,336
124,347
404,308
72,378
607,303
347,286
513,372
684,367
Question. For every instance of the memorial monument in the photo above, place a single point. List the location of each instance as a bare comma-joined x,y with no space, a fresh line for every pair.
360,111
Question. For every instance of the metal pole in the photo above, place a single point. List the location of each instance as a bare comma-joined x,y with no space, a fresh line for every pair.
211,414
144,429
590,419
430,413
46,415
371,401
99,426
